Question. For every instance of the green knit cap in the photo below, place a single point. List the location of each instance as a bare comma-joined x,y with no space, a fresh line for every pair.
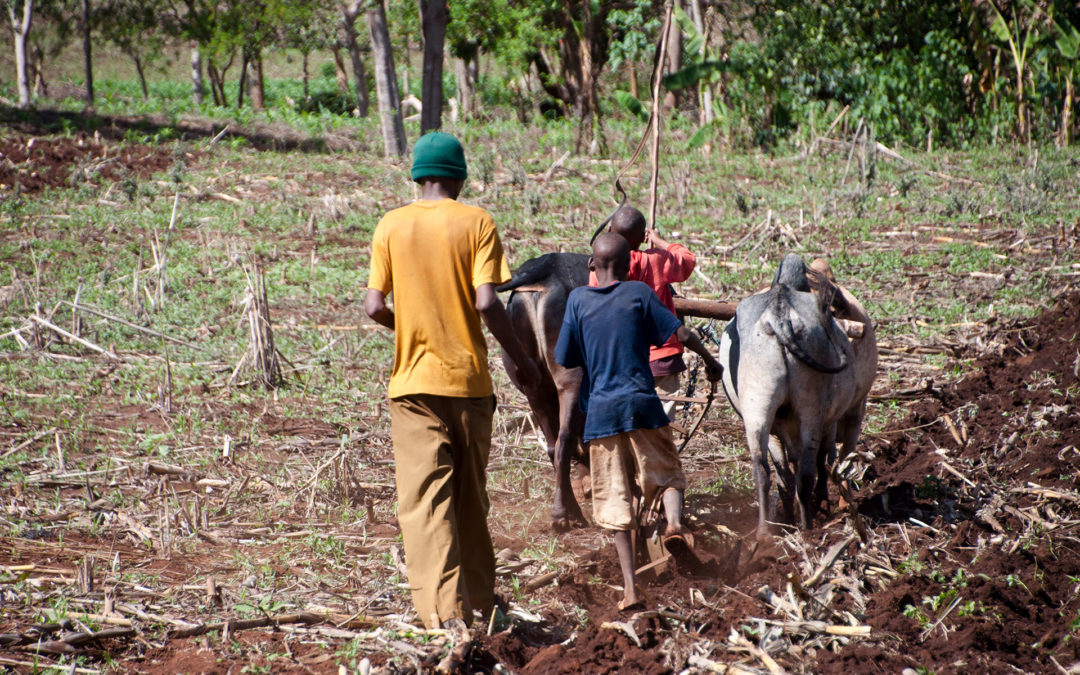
438,155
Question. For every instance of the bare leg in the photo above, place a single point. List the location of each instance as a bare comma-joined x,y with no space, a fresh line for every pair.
565,511
673,504
624,546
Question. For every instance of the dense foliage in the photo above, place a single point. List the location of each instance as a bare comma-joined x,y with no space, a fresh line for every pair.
953,72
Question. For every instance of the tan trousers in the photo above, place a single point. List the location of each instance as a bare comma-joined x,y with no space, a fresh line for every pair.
441,447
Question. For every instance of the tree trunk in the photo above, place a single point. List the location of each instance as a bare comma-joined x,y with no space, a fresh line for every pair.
307,78
386,82
704,86
21,29
632,67
349,13
37,71
255,82
217,87
340,73
1021,105
674,56
589,93
196,74
242,84
217,79
86,54
142,76
1066,112
434,16
465,73
588,82
212,73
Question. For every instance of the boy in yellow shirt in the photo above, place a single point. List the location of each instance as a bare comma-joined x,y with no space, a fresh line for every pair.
442,260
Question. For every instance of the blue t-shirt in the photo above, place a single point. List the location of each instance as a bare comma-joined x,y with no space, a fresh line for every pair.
608,331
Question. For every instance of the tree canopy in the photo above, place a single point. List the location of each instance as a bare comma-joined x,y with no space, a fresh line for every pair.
950,72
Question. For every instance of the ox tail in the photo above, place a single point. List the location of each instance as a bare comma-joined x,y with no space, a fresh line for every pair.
780,321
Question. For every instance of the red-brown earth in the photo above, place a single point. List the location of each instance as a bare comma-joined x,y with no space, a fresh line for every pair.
993,533
30,164
977,514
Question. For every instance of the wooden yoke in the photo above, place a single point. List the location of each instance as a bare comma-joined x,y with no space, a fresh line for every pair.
725,311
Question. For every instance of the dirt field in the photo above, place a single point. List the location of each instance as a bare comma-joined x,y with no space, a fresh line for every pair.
30,165
263,538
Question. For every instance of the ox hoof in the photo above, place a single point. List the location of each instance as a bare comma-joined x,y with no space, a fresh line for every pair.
560,525
564,523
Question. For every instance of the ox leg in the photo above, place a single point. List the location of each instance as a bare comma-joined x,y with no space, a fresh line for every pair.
543,396
826,458
785,477
757,439
805,484
565,511
850,427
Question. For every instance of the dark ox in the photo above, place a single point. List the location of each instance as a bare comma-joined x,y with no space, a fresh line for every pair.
798,383
536,306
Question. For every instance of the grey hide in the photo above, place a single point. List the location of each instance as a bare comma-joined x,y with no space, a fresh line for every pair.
796,380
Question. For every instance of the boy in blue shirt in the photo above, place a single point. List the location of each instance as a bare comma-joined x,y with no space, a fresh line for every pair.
607,331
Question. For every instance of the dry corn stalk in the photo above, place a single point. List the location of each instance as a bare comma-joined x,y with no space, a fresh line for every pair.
262,355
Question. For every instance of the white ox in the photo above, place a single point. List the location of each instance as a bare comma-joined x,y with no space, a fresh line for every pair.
798,383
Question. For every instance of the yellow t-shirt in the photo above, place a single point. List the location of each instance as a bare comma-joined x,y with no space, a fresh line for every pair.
433,255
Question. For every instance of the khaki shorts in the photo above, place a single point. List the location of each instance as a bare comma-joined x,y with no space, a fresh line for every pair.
667,385
641,462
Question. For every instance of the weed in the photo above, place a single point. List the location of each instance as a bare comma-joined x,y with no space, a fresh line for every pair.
970,608
348,655
1013,581
932,488
938,602
913,612
911,565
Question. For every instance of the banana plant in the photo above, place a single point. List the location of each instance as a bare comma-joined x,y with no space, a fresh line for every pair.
699,71
1067,43
1020,33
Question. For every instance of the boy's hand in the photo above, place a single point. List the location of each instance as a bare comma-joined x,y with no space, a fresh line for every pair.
713,369
653,238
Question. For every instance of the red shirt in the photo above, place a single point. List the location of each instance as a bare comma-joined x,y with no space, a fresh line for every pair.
658,268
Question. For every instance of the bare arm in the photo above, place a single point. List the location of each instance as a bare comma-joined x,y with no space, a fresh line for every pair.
713,369
375,306
498,322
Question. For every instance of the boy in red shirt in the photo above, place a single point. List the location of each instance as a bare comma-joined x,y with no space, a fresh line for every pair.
661,264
